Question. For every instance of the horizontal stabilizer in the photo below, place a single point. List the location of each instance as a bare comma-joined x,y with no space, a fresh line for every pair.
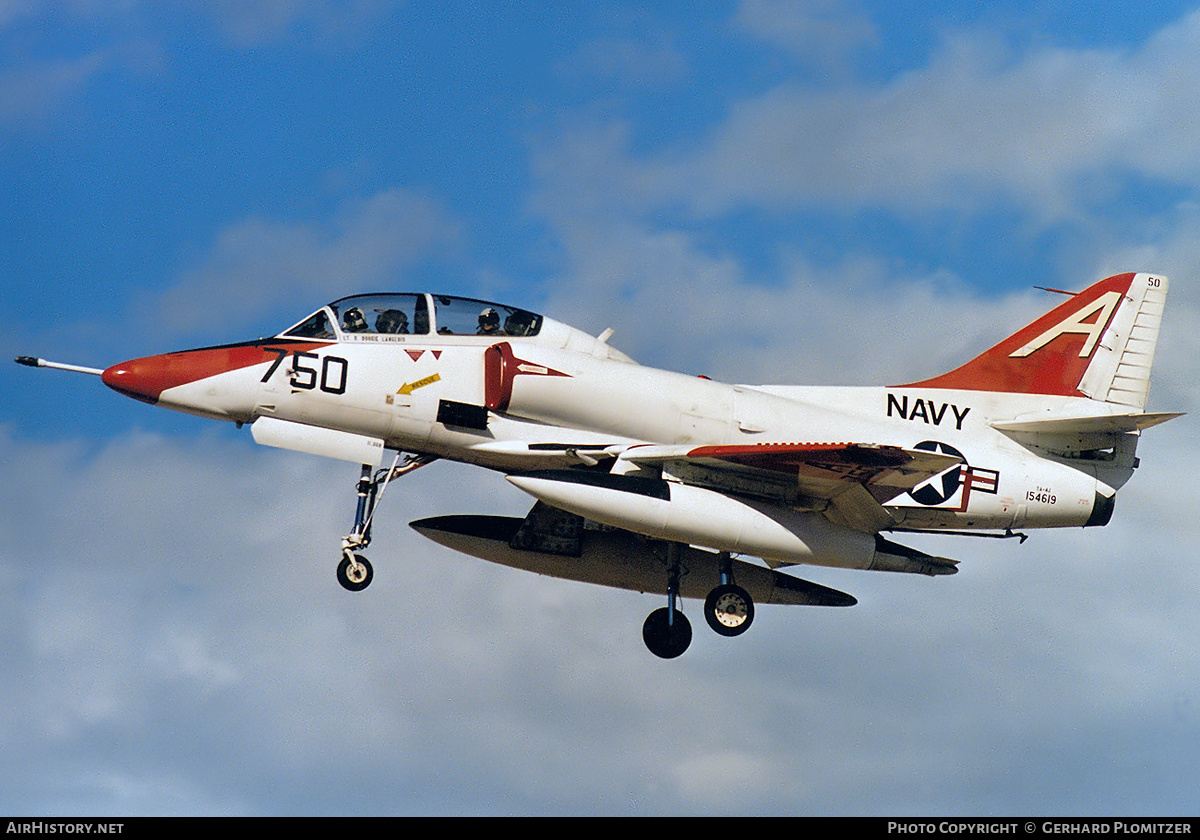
1097,424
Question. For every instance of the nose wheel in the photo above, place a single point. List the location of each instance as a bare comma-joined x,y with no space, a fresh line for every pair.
354,572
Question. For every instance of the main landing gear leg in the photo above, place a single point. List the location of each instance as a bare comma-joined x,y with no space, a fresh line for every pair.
667,632
728,609
354,572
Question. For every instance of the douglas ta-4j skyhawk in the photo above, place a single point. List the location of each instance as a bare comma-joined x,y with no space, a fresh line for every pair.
652,481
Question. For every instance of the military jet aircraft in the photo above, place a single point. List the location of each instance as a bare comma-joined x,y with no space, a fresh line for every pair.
650,480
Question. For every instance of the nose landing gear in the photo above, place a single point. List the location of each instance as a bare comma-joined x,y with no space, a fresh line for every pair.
354,572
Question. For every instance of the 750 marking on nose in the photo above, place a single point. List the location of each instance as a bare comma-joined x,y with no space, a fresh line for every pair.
331,378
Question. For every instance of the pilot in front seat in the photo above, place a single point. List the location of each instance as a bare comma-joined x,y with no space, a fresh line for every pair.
489,322
353,321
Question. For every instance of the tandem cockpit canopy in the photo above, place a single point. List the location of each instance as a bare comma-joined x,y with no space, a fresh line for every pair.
415,314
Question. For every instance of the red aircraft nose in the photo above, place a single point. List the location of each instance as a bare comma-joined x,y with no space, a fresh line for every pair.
143,379
148,378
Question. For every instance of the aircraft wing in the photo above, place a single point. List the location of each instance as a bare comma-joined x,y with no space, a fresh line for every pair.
853,479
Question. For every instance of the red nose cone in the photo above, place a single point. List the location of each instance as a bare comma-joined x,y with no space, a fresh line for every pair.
147,378
143,379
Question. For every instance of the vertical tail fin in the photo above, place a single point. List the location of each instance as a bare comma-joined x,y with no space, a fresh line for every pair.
1099,344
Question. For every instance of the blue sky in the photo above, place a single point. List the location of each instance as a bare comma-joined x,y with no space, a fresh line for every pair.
804,192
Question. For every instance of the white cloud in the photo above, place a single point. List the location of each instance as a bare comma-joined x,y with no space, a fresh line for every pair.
259,266
32,93
823,33
676,302
322,22
239,24
46,78
628,62
1049,130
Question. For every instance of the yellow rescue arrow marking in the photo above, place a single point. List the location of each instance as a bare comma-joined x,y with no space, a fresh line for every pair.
408,387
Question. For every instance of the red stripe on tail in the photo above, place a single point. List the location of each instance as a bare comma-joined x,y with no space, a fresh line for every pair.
1050,355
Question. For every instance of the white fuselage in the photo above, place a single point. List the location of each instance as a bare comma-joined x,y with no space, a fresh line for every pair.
566,387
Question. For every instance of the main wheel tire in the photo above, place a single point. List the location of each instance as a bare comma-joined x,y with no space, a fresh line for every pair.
729,610
355,576
665,640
